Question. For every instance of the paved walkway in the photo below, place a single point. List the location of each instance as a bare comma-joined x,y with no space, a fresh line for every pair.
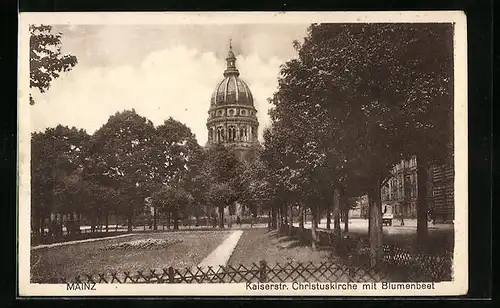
355,223
221,254
80,241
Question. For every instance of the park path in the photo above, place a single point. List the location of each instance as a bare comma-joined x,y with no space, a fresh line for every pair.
221,254
80,241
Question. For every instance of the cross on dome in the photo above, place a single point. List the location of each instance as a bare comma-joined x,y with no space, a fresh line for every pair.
231,69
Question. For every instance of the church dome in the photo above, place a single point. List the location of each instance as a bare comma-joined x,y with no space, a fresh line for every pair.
232,117
231,91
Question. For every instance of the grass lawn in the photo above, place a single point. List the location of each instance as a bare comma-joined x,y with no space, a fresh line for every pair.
185,249
260,244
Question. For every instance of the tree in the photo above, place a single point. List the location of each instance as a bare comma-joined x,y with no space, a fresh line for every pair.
172,199
46,59
57,158
221,173
342,107
255,182
176,159
120,158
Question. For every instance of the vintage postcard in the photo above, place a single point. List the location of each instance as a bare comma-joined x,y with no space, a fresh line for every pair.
242,154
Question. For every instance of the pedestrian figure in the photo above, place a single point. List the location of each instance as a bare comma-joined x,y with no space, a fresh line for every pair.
238,220
431,215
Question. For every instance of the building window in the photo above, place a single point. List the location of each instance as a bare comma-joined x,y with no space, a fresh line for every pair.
232,133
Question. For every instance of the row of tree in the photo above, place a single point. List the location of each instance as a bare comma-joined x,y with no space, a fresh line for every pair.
125,162
357,100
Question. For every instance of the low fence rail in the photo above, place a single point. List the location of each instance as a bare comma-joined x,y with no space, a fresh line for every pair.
397,261
351,265
262,272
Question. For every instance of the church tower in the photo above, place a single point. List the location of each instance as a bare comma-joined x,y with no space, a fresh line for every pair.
232,117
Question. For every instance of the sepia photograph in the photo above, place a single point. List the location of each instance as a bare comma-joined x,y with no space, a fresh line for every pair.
247,153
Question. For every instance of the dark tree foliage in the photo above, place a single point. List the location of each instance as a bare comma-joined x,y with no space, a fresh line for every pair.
120,158
172,199
359,98
46,59
176,160
57,158
221,174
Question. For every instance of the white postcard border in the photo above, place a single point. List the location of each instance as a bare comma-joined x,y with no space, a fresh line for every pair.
458,286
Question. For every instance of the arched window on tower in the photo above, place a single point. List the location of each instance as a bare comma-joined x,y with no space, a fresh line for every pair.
230,133
211,134
218,134
241,134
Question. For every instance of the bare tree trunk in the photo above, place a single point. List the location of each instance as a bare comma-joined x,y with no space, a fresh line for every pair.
176,219
92,222
318,215
336,212
315,215
42,224
314,235
278,218
221,216
422,207
168,221
282,217
79,220
375,225
290,219
269,219
301,218
345,212
107,221
328,216
346,221
155,218
130,215
274,213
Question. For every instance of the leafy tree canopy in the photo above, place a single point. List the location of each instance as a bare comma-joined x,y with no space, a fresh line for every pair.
46,59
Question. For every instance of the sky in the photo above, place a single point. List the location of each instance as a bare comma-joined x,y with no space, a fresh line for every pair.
161,71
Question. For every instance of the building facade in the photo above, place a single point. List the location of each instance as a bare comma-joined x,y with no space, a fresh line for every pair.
232,117
399,192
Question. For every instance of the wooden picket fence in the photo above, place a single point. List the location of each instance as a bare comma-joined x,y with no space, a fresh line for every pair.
262,272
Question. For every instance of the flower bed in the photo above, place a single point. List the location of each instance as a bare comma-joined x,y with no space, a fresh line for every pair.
149,243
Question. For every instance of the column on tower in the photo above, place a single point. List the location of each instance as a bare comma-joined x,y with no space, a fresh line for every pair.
226,135
249,137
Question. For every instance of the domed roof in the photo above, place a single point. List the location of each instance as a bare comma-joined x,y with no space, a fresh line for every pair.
231,90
